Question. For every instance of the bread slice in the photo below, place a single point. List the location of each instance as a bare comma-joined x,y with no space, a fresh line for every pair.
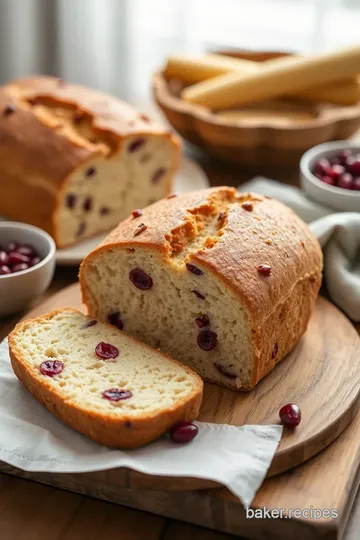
224,282
156,391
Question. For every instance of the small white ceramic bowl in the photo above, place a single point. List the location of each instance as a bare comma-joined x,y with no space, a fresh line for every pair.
334,197
19,289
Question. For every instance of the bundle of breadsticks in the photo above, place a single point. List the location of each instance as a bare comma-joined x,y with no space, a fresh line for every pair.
222,82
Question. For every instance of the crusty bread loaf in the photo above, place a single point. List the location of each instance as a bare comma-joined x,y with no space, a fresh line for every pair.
74,161
224,282
124,401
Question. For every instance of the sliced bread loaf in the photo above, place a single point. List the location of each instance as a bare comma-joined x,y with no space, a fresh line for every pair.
224,282
100,381
83,159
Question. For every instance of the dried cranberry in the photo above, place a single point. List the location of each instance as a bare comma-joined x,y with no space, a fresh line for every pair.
4,258
9,109
140,228
104,210
137,213
264,270
90,171
225,370
136,144
198,294
328,180
140,279
87,205
194,269
274,351
130,250
17,258
106,351
222,216
12,246
336,171
34,261
144,118
20,267
115,320
158,174
90,323
202,321
70,200
356,184
290,415
207,340
81,228
4,270
183,432
346,181
353,165
322,166
343,156
51,367
115,394
27,250
248,206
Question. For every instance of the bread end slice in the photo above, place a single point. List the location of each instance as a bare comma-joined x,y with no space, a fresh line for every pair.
163,392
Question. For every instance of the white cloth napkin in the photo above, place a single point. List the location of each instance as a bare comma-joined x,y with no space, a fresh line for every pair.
32,439
338,234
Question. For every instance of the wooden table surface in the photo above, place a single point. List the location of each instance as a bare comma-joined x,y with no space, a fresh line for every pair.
31,511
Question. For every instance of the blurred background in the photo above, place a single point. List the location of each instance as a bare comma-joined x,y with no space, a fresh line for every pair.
115,45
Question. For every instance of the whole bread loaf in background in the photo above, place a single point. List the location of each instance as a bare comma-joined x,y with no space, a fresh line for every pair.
123,401
225,282
74,161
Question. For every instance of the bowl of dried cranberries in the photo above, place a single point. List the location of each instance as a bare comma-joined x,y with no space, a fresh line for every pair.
27,264
330,175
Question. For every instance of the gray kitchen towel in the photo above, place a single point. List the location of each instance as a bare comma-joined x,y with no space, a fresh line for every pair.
338,234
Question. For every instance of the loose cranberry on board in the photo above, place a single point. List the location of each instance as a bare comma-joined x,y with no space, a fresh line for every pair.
290,415
183,432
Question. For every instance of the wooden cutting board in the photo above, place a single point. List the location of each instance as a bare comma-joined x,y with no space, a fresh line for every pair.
321,375
328,480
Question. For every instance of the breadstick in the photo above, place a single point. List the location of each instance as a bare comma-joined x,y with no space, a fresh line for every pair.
193,70
344,92
274,79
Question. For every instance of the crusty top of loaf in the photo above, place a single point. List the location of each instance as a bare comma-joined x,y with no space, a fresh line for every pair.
56,126
237,233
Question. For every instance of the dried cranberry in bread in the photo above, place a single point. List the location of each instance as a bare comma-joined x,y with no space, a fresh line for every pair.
225,282
101,382
74,161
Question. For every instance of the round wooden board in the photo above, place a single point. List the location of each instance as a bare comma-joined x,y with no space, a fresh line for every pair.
322,375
